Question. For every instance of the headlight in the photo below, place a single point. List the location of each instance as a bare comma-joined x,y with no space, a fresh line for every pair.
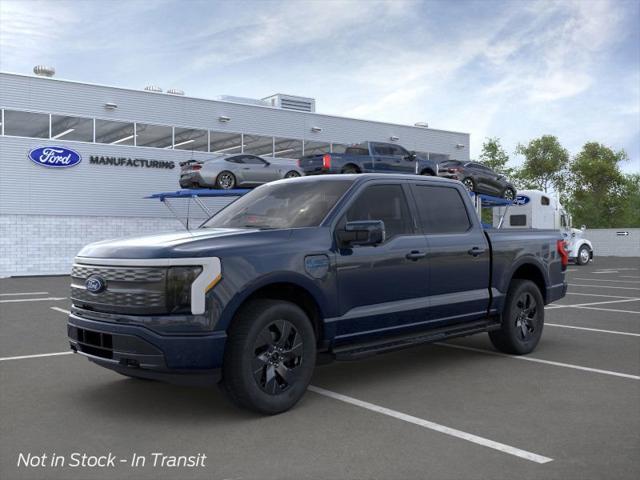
179,280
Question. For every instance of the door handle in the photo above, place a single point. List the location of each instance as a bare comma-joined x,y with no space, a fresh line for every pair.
246,168
415,255
475,251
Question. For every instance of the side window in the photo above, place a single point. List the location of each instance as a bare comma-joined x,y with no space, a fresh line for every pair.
442,209
544,200
386,203
235,159
398,151
381,149
253,160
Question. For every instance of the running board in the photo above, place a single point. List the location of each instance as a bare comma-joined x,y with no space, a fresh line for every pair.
362,350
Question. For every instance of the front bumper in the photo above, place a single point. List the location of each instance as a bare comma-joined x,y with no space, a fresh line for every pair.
137,351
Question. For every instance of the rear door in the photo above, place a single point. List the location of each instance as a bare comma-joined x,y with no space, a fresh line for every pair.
458,253
383,158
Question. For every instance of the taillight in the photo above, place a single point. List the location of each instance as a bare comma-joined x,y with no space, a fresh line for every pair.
326,161
562,251
299,162
196,167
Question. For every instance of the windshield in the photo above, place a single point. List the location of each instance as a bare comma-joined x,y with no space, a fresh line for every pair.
281,205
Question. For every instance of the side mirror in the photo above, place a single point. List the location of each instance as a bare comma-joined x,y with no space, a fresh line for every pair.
411,156
266,164
583,228
362,232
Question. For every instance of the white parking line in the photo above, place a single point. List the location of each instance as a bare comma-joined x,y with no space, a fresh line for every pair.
611,310
48,299
485,442
22,357
607,280
547,324
629,276
596,295
630,299
540,360
603,286
23,293
61,310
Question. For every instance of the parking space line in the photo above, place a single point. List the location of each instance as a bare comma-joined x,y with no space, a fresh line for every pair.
611,310
607,280
596,295
547,324
61,310
540,360
485,442
615,287
39,355
47,299
629,276
630,299
23,293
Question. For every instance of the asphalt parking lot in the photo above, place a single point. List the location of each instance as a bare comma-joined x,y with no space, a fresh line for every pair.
447,411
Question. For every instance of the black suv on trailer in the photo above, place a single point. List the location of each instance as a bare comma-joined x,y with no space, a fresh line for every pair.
339,265
478,178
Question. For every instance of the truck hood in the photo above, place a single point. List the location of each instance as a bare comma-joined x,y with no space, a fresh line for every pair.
193,243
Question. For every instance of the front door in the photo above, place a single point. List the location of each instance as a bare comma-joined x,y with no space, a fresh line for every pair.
256,170
382,289
459,256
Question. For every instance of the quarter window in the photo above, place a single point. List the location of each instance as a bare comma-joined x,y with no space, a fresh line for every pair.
386,203
442,210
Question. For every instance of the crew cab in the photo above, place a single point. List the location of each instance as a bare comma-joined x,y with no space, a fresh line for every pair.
369,157
306,270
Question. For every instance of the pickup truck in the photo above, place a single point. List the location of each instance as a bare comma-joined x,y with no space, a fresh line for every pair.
307,270
369,157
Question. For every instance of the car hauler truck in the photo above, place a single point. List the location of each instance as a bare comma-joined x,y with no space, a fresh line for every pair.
536,209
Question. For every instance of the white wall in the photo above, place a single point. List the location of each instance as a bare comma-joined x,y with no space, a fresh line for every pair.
606,242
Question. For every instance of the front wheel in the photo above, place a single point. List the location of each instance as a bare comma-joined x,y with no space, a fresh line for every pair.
522,319
269,357
468,184
583,255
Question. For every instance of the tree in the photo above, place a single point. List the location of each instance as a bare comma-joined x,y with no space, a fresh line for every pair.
601,196
495,157
630,216
545,164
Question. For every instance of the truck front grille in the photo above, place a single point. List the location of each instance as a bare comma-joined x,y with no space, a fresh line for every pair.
131,290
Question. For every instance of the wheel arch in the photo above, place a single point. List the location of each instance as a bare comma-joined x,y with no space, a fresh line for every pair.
351,164
530,269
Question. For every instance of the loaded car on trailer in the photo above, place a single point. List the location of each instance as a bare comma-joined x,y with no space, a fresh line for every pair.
478,178
333,267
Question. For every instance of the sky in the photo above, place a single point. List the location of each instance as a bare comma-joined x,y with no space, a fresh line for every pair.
514,69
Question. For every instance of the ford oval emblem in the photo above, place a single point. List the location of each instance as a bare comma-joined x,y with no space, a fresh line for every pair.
95,284
521,200
55,157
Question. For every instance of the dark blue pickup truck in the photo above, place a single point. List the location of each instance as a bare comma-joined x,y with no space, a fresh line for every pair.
309,269
369,157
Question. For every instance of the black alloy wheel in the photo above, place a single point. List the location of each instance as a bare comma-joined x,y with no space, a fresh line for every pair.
509,194
468,184
292,174
277,356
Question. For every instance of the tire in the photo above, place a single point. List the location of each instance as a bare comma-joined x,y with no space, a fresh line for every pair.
583,256
225,180
349,169
262,370
291,174
469,184
509,194
522,319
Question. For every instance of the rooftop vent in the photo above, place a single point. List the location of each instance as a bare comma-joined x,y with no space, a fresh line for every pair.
291,102
153,88
175,91
245,100
421,124
44,71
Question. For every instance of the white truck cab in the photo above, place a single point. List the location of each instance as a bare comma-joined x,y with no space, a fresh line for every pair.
536,209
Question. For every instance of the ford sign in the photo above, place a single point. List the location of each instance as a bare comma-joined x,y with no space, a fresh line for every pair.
95,284
55,157
521,200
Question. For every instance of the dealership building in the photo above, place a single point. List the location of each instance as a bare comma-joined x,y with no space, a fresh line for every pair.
127,144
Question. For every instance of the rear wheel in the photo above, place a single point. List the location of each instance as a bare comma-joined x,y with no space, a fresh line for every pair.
269,357
349,169
292,174
225,180
522,319
583,255
468,184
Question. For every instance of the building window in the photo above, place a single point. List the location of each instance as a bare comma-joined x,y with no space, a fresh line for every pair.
225,143
258,145
287,148
26,124
158,136
71,128
191,139
316,148
115,133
